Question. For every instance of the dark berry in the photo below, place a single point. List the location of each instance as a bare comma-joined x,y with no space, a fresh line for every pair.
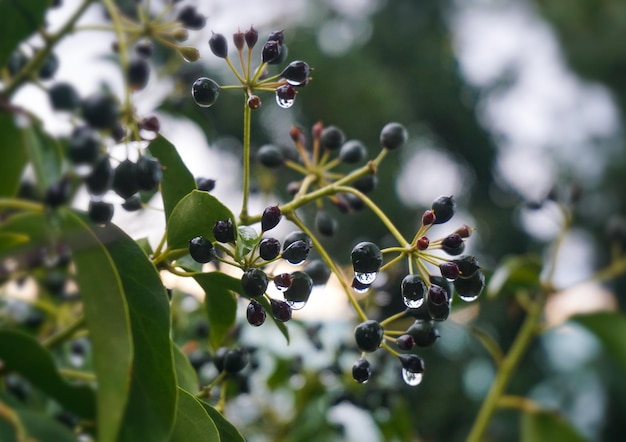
352,151
444,208
270,156
205,91
296,73
235,360
49,67
405,342
100,111
269,248
413,290
224,231
100,212
100,178
361,371
296,252
468,266
277,36
423,243
254,102
453,244
254,282
325,223
255,313
366,258
412,363
205,184
144,48
201,330
149,173
83,146
125,179
438,302
58,193
285,95
190,18
359,286
218,45
428,218
138,73
393,136
132,204
470,288
239,40
464,231
366,184
318,271
271,51
449,270
423,332
219,357
201,249
282,281
251,36
354,202
63,96
16,62
368,335
299,291
332,138
270,218
281,310
151,124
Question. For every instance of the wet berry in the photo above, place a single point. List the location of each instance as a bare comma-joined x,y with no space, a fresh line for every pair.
405,342
269,248
332,138
282,281
281,310
361,371
325,224
352,151
359,286
318,271
205,91
149,173
366,258
224,231
125,182
235,360
100,111
453,244
132,204
201,250
393,136
423,332
64,97
218,45
271,51
444,208
285,95
470,288
100,212
278,36
438,303
191,18
296,252
254,102
100,178
58,193
412,363
205,184
296,73
413,290
255,313
449,270
83,146
254,282
468,266
270,218
270,156
368,335
138,73
299,291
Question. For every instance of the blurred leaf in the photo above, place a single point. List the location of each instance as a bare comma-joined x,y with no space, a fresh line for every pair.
195,215
247,238
547,426
192,421
44,429
227,431
220,303
151,405
186,376
13,156
10,240
515,273
23,354
268,308
25,225
144,245
610,329
19,19
107,317
45,156
177,180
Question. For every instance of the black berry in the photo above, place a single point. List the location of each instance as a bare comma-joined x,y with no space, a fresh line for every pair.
438,302
100,212
444,208
100,111
299,291
332,138
132,204
449,270
205,184
366,258
49,67
149,173
63,96
224,231
201,250
318,271
100,178
235,360
271,51
366,184
468,266
191,18
84,146
254,282
352,151
423,332
412,363
218,45
296,73
125,179
255,313
280,310
470,288
325,223
270,218
296,252
205,91
270,156
453,244
393,136
405,342
368,335
413,290
58,193
361,371
138,73
144,48
269,248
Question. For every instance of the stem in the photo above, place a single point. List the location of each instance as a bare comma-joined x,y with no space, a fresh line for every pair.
392,318
77,374
18,204
243,216
10,415
64,334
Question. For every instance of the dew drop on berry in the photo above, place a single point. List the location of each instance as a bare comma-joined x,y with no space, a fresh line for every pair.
285,96
359,287
365,277
413,303
411,378
296,305
468,298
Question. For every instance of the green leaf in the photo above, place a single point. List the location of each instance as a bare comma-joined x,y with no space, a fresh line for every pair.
548,426
43,428
227,431
610,329
151,405
195,215
177,181
10,240
19,19
30,226
186,376
23,354
515,273
247,238
220,303
45,156
268,308
192,421
107,316
13,156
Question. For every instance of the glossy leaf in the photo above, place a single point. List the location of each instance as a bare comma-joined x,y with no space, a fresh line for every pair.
19,19
186,376
192,421
108,321
247,238
610,329
151,405
23,354
177,181
515,273
227,431
548,426
220,303
195,215
13,156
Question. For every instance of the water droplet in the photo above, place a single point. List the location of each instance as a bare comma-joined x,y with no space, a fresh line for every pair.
411,378
366,278
468,298
285,103
294,263
77,360
413,303
296,305
362,289
285,96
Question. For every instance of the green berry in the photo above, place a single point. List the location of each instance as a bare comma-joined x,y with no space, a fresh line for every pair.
205,92
393,136
368,335
254,282
201,250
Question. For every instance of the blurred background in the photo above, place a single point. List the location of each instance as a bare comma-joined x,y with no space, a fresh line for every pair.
511,105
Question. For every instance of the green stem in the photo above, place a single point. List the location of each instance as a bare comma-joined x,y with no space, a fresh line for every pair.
243,216
64,334
392,318
18,204
77,374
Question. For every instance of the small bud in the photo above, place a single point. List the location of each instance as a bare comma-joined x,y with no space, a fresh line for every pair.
150,123
449,270
218,45
296,134
239,40
405,342
282,281
251,36
254,102
189,53
428,219
180,34
453,244
316,130
464,231
423,243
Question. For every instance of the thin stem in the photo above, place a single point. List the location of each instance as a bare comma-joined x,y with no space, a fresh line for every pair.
519,403
392,318
9,415
77,374
64,334
206,390
243,216
392,262
18,204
